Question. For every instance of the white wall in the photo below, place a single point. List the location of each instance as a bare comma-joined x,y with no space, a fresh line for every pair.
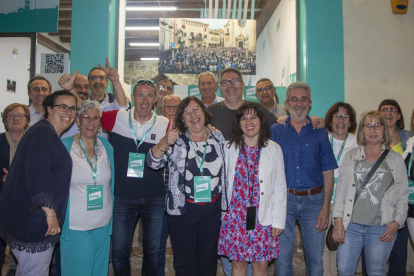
378,53
14,69
276,49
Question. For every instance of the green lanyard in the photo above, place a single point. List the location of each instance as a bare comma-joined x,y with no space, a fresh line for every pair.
201,166
342,148
94,169
146,133
410,164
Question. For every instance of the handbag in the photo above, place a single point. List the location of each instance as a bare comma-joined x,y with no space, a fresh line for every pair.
330,242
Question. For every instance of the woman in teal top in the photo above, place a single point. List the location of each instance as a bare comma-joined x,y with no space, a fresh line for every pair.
86,233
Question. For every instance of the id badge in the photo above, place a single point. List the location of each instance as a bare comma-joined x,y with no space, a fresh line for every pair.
334,189
94,197
202,189
411,190
251,218
136,164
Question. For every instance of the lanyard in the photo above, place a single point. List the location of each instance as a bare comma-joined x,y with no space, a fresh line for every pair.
254,172
410,165
94,169
342,148
146,133
201,166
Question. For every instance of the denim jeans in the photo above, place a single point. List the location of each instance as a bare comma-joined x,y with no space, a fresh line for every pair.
305,209
163,245
358,237
126,211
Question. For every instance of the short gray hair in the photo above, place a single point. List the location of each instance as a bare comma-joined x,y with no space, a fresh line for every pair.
88,104
296,85
168,97
207,73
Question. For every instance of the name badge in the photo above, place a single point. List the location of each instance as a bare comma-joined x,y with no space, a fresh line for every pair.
411,190
136,164
202,189
94,197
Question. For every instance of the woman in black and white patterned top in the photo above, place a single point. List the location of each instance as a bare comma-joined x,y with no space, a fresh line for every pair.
196,182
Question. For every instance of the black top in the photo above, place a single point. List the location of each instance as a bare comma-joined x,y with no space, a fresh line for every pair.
223,118
4,156
39,176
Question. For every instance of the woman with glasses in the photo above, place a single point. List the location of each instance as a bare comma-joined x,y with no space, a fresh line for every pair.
368,210
34,196
16,119
86,233
340,121
256,192
196,188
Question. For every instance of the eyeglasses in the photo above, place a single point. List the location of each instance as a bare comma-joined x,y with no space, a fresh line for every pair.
95,78
64,108
88,119
144,81
337,117
261,90
376,126
234,81
79,86
296,100
163,87
389,109
187,113
15,116
173,107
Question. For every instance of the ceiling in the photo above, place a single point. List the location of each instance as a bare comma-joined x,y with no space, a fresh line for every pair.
185,9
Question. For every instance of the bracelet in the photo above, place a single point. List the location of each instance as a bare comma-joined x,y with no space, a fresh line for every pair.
159,147
50,216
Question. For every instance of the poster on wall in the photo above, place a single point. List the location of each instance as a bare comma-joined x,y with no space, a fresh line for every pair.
193,91
193,46
11,86
19,16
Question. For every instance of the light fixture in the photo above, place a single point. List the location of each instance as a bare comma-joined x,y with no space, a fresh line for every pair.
145,44
150,58
151,8
142,28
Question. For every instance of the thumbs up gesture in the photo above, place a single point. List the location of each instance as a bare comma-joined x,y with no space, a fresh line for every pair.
66,81
172,134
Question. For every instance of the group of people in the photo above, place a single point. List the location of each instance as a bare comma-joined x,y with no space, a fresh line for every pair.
221,176
195,60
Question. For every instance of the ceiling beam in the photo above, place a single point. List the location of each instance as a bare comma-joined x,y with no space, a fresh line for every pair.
158,14
51,44
64,33
266,13
142,33
65,14
65,24
64,39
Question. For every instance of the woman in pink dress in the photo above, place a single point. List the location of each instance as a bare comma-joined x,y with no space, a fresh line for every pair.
256,192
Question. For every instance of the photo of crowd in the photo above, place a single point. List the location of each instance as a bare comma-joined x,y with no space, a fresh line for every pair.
195,60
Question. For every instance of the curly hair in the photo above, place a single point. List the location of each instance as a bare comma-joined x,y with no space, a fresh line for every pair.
237,133
179,120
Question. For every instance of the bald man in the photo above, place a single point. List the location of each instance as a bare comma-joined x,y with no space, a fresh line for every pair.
81,86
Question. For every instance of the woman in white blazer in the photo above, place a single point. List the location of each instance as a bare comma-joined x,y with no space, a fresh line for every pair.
256,194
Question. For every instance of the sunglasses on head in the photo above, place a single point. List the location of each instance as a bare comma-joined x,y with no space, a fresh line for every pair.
143,81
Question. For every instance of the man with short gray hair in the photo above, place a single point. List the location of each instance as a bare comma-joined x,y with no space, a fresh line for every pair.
207,85
309,164
164,88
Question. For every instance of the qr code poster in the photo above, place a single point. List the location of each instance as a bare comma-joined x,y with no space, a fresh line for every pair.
54,63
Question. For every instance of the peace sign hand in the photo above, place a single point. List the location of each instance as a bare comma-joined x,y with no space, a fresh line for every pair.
110,72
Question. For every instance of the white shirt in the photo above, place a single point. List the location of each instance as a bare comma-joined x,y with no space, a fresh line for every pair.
79,217
217,99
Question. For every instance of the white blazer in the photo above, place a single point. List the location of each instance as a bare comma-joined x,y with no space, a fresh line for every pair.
272,181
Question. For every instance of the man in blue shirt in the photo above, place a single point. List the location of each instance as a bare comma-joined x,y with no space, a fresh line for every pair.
309,164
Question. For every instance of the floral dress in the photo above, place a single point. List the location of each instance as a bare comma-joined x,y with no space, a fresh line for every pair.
257,245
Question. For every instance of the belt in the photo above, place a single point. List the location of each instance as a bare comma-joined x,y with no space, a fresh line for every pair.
313,191
213,200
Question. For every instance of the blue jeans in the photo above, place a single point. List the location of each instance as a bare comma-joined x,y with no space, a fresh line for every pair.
163,245
305,209
126,211
358,237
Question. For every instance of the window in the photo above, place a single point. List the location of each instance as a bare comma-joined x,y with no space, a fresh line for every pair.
183,27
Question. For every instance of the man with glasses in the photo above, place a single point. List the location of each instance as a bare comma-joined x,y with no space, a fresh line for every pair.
309,165
38,88
139,191
266,93
164,88
207,85
232,87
